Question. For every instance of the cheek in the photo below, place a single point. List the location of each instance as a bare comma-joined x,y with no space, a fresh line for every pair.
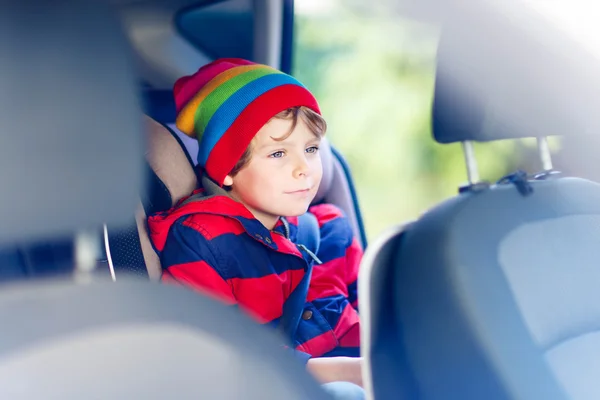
244,182
317,169
256,178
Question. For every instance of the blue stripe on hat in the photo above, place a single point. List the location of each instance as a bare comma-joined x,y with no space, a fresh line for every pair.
228,112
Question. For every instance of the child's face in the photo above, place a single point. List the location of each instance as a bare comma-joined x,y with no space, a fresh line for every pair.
282,176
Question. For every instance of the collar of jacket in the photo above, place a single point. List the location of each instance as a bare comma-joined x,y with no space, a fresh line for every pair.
217,200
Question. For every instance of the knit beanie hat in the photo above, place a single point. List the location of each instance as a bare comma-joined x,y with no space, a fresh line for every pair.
225,103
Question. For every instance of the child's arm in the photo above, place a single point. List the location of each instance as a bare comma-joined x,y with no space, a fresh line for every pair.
333,369
334,281
190,259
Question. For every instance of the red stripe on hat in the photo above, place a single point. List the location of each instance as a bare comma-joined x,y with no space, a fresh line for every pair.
231,146
186,87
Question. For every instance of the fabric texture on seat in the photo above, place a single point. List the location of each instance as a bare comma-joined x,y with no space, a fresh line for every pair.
131,339
494,295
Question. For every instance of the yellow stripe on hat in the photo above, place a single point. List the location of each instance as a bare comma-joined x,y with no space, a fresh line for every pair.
185,119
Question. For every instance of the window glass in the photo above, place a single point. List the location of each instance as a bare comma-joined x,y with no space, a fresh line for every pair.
220,28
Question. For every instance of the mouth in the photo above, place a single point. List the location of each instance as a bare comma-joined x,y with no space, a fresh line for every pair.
300,191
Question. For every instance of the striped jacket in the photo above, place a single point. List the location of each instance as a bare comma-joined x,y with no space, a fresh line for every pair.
217,247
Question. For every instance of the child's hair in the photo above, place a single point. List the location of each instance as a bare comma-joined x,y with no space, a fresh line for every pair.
314,121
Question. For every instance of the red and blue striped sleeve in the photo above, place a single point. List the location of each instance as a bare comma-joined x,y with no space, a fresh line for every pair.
188,258
333,285
353,256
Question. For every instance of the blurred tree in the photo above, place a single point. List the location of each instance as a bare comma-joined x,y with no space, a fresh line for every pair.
373,74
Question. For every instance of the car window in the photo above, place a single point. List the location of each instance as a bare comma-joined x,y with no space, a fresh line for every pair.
219,28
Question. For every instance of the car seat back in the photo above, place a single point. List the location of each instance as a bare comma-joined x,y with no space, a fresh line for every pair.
491,294
494,305
132,339
42,119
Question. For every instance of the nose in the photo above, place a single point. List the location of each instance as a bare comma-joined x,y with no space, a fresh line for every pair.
301,168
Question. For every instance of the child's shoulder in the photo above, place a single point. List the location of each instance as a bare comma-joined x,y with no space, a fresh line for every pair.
332,219
327,212
211,226
335,227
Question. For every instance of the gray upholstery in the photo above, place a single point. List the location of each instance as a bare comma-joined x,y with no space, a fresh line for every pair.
385,374
495,296
172,167
168,161
335,187
68,121
484,92
134,340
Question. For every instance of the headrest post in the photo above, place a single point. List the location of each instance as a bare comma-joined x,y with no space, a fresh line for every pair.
470,161
111,266
544,152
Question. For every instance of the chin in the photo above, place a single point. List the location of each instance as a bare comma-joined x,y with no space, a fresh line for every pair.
295,211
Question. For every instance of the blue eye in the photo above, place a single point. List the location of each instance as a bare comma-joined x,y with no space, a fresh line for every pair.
312,149
277,154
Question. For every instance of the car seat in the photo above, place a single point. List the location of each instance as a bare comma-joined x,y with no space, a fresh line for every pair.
493,294
171,177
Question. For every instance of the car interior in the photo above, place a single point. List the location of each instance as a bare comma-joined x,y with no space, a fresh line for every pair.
84,336
489,295
153,27
492,294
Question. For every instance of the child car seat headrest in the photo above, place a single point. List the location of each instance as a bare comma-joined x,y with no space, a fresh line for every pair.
171,177
174,172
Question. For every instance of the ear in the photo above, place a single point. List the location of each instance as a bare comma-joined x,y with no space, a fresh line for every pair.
228,181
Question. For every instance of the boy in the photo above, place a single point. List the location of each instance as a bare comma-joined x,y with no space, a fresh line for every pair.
259,132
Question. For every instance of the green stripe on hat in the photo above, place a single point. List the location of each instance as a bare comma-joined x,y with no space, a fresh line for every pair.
217,97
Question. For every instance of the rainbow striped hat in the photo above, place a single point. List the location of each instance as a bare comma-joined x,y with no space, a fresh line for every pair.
225,103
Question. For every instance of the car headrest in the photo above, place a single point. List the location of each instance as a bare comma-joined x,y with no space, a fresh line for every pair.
512,80
70,125
174,172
